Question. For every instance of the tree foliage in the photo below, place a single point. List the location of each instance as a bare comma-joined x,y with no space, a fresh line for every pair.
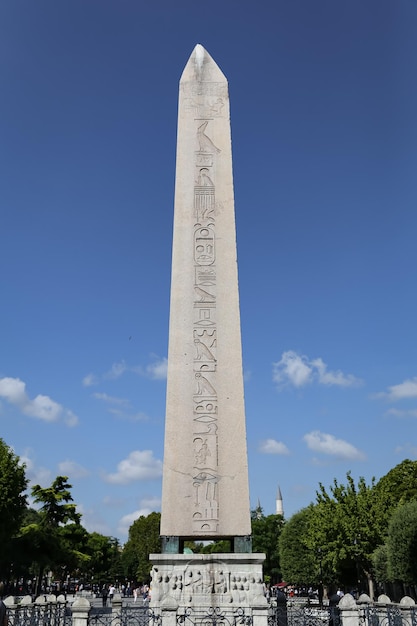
347,527
105,558
13,484
143,540
380,564
266,531
299,562
397,487
402,544
55,509
49,541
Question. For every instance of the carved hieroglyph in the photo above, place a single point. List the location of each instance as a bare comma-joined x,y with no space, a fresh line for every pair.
205,477
207,581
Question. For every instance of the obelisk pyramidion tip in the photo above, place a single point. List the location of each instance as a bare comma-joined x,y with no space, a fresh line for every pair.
202,68
199,55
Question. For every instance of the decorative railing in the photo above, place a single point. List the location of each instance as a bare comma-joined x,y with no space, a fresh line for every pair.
283,615
214,617
52,611
40,613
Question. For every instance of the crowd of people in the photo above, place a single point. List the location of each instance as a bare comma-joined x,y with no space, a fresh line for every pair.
137,592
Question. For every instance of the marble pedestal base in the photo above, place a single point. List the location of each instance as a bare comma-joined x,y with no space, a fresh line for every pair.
203,581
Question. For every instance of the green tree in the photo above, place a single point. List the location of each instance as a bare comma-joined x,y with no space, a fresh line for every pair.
48,542
347,527
397,487
299,562
143,540
380,565
105,557
265,536
216,547
13,484
402,545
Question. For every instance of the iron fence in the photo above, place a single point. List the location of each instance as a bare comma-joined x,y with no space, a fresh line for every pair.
214,617
129,615
387,615
48,614
282,615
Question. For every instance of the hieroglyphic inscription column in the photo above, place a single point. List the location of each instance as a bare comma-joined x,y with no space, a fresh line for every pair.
205,477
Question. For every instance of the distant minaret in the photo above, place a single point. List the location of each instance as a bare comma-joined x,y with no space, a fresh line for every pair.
279,503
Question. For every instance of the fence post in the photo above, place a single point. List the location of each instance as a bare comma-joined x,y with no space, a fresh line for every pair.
169,615
349,611
80,609
407,606
260,615
116,609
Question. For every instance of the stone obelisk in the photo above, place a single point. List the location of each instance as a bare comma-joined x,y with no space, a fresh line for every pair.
205,477
205,492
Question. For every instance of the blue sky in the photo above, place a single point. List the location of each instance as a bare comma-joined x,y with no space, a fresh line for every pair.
324,126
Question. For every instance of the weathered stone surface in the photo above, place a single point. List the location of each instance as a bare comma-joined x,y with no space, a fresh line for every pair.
205,477
207,580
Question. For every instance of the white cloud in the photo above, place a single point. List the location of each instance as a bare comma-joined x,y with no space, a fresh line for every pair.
111,399
407,389
298,370
72,469
116,370
127,520
119,407
147,506
90,380
36,475
402,413
70,418
139,465
330,445
333,378
292,368
130,417
271,446
158,369
93,521
41,407
151,502
407,450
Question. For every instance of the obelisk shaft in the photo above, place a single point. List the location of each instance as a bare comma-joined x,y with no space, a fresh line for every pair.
205,477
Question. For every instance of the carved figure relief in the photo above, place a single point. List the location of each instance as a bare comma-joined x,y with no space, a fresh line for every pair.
205,481
202,351
204,179
204,317
203,583
204,201
204,296
204,141
205,276
211,429
204,89
211,107
204,387
204,246
204,159
202,452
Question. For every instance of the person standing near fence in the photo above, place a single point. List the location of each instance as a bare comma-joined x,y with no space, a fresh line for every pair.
104,594
3,614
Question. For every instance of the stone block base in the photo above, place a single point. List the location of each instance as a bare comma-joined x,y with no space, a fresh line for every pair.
200,581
